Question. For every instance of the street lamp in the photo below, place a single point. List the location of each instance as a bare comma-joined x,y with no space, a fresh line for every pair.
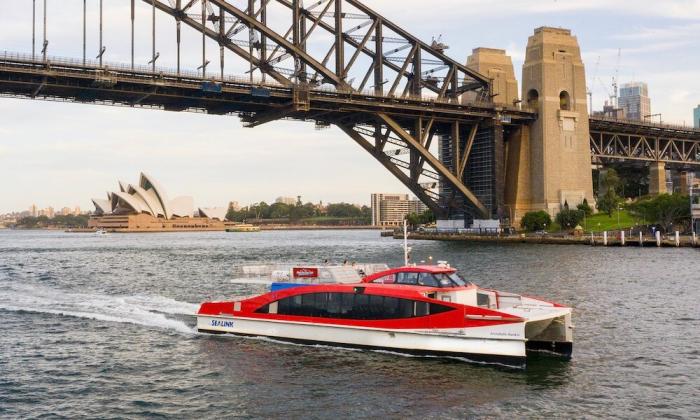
618,216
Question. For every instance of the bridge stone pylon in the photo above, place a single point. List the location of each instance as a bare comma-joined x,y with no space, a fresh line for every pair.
549,162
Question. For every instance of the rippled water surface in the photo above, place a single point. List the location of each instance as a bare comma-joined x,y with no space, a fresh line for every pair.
102,326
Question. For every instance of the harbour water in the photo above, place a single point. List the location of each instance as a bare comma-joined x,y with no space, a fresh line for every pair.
102,326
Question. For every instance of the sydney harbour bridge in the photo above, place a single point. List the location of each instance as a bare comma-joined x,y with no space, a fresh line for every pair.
434,123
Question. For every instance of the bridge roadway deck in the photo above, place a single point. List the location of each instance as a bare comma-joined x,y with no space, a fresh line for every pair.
70,80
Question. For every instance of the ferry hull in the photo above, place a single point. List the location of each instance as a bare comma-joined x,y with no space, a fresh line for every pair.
510,351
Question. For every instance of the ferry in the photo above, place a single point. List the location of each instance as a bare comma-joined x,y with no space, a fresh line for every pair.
243,228
424,310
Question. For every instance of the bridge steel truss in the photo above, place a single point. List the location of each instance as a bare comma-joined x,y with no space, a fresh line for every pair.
616,140
390,92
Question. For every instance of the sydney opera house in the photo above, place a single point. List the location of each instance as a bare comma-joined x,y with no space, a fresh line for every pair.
145,207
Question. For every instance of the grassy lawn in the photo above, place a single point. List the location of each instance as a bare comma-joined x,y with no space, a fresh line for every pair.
601,222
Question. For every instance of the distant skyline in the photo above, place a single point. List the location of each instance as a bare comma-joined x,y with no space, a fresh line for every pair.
63,155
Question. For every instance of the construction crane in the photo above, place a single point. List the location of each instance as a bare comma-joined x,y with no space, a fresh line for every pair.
613,99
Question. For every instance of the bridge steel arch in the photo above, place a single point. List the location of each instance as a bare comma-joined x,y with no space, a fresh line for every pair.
334,62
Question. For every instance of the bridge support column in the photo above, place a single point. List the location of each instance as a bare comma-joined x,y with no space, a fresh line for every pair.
684,182
558,167
518,193
657,178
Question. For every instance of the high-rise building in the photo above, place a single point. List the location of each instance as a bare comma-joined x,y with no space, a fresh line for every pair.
392,209
634,99
33,211
290,201
696,117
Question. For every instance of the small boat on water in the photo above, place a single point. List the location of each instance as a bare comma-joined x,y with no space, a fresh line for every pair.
425,310
100,232
243,228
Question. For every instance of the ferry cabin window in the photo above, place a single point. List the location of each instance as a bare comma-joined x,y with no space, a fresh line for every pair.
428,280
354,306
407,278
424,279
388,279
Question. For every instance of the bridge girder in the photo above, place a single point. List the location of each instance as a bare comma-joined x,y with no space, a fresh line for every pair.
375,81
419,69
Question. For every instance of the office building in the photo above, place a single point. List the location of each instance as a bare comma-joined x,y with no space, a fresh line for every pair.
290,201
634,100
389,210
696,117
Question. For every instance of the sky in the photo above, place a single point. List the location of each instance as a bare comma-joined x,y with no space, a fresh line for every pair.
59,154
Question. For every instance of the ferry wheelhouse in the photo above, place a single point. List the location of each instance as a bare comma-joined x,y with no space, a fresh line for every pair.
425,310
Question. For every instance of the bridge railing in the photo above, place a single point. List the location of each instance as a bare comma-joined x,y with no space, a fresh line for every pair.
106,66
645,124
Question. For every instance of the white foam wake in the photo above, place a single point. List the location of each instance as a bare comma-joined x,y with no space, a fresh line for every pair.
143,310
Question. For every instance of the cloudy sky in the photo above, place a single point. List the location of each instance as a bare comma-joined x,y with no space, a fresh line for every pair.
64,154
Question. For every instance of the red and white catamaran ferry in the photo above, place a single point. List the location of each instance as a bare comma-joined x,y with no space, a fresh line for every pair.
425,310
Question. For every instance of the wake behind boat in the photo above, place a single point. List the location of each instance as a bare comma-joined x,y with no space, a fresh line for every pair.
426,310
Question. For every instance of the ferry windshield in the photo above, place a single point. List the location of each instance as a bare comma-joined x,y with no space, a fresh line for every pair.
441,280
451,280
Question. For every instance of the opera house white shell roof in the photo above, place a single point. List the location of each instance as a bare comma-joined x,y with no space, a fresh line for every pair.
214,212
147,197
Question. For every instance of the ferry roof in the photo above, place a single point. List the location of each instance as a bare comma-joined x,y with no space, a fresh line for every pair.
433,269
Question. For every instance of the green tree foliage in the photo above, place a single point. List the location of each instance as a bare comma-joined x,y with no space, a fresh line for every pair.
67,221
568,219
585,208
309,213
304,211
424,218
609,200
664,210
536,220
280,211
343,210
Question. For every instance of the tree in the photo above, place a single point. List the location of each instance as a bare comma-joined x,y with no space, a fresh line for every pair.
569,218
427,217
585,208
280,211
665,210
536,220
609,200
413,219
343,210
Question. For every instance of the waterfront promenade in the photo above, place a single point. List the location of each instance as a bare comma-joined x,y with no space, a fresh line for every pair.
597,239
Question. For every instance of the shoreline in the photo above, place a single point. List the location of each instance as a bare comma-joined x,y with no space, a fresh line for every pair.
612,241
316,227
262,228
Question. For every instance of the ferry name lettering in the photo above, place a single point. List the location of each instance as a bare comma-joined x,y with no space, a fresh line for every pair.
224,324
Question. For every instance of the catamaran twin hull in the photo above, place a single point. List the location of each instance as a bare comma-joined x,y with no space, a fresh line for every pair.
504,347
438,315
